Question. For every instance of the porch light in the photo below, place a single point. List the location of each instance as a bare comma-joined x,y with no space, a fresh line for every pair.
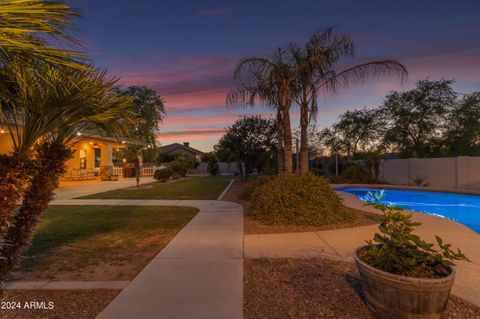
79,133
95,145
2,131
123,142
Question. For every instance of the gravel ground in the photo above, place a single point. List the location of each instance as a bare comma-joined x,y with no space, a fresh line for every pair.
314,288
77,304
252,226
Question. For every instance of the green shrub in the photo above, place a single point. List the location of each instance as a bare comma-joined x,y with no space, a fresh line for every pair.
398,251
355,174
251,186
302,200
163,174
181,165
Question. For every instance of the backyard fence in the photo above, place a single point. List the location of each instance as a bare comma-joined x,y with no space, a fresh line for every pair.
449,172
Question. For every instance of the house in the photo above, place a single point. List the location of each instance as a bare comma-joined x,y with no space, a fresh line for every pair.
181,149
93,155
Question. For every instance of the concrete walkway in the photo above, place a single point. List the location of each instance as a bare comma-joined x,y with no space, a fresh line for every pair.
340,244
199,274
83,188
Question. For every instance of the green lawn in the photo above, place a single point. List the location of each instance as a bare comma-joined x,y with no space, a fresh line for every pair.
76,242
190,188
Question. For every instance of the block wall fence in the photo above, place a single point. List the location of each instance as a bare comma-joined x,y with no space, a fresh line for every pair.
450,172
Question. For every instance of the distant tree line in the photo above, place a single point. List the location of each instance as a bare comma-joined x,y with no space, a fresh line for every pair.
431,120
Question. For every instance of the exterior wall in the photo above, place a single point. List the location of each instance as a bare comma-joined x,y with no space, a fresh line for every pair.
6,145
450,172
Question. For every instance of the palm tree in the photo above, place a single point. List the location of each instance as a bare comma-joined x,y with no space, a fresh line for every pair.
314,65
27,25
269,80
45,109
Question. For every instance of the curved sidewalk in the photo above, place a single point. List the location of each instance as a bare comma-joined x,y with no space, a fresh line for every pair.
340,244
199,274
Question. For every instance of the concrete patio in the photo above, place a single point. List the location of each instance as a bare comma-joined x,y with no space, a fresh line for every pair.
340,244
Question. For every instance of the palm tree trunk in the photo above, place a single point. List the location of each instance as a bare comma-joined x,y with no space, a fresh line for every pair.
287,140
303,139
12,187
280,160
51,158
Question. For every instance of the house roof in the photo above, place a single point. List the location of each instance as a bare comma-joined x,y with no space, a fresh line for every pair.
175,146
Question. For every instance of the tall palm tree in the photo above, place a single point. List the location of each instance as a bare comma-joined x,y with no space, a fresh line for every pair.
273,83
314,64
28,28
44,110
259,88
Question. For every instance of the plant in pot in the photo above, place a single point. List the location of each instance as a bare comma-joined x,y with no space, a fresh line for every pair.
402,275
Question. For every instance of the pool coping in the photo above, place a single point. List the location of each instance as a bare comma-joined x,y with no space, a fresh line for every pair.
409,187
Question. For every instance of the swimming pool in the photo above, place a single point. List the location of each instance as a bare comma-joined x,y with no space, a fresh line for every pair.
462,208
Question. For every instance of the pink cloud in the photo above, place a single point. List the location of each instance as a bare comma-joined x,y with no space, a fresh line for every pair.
191,134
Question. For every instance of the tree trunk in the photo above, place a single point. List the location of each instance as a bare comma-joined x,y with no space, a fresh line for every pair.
138,169
12,186
287,140
303,139
280,159
50,158
241,172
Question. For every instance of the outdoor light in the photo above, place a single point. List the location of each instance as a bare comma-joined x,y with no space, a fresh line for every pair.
2,131
123,142
79,133
95,145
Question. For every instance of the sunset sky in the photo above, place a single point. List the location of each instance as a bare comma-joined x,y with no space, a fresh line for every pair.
186,50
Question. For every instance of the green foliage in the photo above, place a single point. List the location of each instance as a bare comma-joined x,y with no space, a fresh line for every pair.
182,164
148,108
302,200
252,186
165,158
356,174
163,174
212,163
397,250
27,29
420,181
250,140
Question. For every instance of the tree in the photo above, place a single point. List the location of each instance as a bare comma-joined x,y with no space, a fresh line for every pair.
26,26
463,122
43,114
181,164
313,68
150,110
270,80
212,163
248,142
417,118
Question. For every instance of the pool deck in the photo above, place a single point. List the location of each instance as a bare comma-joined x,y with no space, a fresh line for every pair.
340,244
410,187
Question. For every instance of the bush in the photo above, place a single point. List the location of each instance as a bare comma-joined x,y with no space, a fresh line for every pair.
398,251
213,166
302,200
251,186
163,174
181,165
355,174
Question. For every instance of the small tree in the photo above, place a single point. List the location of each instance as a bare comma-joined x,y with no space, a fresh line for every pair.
213,166
182,164
248,142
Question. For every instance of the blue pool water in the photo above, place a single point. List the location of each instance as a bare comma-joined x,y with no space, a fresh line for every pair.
462,208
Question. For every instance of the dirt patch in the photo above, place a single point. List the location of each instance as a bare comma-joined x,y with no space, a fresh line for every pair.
78,304
122,266
314,288
252,226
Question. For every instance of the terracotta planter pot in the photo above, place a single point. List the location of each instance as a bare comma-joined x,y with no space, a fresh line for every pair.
393,297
